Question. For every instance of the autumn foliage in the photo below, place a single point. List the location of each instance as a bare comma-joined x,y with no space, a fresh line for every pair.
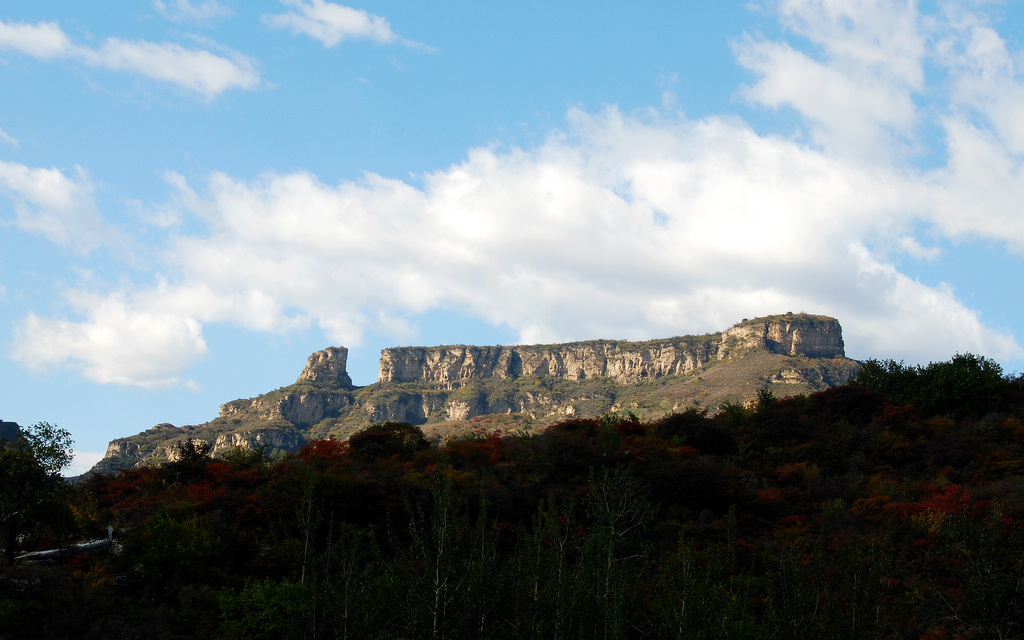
881,509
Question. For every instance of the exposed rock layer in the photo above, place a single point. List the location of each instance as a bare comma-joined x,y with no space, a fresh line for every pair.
527,386
327,367
623,362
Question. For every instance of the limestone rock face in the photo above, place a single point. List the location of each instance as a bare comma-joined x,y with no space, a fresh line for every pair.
791,335
122,448
284,439
412,407
298,407
523,385
624,362
327,367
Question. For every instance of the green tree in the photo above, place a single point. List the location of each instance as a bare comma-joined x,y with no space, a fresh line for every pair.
173,550
388,439
189,465
30,477
965,385
266,610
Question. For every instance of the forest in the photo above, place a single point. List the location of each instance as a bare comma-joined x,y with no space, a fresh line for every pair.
891,507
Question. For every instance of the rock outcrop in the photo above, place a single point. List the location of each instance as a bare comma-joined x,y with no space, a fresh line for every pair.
302,407
623,362
522,387
327,367
791,335
9,431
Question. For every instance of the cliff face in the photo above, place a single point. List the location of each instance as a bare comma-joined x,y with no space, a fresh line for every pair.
791,335
303,407
520,387
623,362
159,444
9,431
327,367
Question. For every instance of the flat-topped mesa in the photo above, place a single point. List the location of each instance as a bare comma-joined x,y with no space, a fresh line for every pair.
327,367
624,362
790,334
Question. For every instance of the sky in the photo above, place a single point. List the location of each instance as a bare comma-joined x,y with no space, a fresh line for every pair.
195,195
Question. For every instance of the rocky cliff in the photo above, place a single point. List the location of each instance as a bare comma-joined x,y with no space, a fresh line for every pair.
9,431
450,389
327,368
789,334
623,362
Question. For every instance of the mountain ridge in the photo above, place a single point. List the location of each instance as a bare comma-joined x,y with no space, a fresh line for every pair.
457,389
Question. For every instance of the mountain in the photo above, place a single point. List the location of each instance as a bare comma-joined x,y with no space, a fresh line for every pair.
460,389
9,431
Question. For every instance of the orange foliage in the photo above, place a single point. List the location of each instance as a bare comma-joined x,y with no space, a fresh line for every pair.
328,450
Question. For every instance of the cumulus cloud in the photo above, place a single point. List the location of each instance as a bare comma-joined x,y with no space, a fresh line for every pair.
621,225
977,193
44,40
53,205
9,139
331,23
117,343
185,11
82,463
986,76
857,94
203,72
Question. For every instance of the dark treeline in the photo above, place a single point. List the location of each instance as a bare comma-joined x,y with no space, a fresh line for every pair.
890,508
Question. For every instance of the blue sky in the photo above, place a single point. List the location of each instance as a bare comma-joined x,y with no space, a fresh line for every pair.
195,195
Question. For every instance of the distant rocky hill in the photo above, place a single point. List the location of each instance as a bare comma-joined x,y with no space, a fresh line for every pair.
9,431
623,362
463,389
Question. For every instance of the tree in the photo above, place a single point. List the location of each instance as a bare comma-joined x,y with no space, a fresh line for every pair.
30,476
190,463
388,439
965,385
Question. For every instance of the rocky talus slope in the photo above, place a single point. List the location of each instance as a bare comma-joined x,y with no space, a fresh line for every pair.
458,389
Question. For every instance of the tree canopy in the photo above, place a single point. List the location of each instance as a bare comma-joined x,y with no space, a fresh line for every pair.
30,467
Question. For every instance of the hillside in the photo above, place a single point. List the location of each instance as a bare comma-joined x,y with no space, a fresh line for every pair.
889,508
451,390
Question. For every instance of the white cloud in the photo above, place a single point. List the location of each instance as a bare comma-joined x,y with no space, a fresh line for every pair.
910,246
115,344
205,73
6,137
185,11
49,203
82,463
979,191
44,40
986,77
920,323
858,97
198,70
620,226
331,23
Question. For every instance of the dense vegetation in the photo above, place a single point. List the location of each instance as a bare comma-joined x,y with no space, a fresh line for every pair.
888,508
